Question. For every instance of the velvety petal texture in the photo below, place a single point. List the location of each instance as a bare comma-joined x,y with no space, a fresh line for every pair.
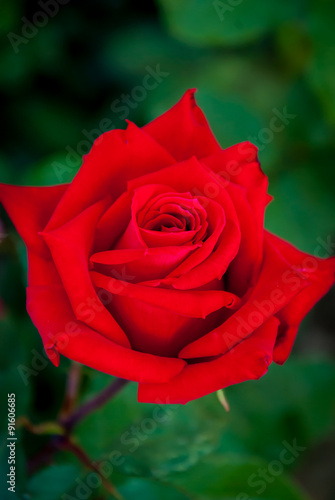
187,121
249,360
62,333
153,264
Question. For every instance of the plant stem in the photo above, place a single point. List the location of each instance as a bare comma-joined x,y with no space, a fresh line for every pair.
69,445
68,418
93,404
71,392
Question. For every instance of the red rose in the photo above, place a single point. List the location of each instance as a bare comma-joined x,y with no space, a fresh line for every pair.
153,265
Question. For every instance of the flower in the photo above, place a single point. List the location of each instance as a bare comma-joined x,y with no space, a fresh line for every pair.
153,265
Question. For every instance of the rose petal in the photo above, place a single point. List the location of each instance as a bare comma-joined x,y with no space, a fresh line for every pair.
115,157
321,274
186,121
217,221
62,333
162,321
156,330
30,209
148,198
191,175
244,269
249,360
113,223
278,283
70,246
193,304
141,265
239,165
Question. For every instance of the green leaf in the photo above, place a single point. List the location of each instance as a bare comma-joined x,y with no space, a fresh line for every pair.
100,431
227,22
169,439
51,482
159,441
303,206
153,440
301,408
321,72
229,477
142,489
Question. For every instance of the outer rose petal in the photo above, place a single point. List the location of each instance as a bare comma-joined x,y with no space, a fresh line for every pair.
320,272
158,331
244,269
52,315
186,122
70,246
30,209
159,320
239,165
277,285
248,360
113,223
115,158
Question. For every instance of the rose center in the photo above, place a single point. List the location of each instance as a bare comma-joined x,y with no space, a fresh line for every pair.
171,218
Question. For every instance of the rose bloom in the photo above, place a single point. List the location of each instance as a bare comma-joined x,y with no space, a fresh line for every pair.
153,264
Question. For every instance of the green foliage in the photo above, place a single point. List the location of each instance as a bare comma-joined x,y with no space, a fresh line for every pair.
227,22
250,60
51,483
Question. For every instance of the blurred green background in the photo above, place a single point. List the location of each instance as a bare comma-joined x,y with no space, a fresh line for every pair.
70,74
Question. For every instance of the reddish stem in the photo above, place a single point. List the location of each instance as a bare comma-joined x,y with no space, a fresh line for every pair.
93,404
